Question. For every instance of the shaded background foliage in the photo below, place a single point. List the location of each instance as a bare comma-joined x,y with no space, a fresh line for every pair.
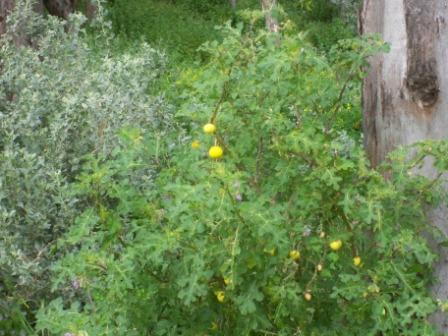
181,26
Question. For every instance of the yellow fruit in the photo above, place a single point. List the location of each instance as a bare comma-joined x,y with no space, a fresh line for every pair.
357,261
227,281
270,252
220,296
215,152
336,245
214,326
195,144
209,128
373,288
319,267
307,296
103,213
294,255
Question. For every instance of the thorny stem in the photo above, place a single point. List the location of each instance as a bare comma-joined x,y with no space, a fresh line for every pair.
337,104
237,231
257,167
223,96
400,275
316,271
432,183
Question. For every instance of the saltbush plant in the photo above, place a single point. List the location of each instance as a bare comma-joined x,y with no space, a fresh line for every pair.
59,101
260,215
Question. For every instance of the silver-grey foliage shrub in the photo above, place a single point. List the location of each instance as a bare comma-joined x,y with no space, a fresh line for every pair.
60,99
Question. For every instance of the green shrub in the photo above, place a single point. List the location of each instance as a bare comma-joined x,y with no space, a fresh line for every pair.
58,102
324,35
289,232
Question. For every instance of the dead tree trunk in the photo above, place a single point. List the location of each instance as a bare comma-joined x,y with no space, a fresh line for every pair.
405,94
60,8
6,6
271,22
233,4
91,10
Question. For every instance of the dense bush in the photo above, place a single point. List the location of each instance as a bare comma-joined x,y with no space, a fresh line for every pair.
326,22
272,224
58,102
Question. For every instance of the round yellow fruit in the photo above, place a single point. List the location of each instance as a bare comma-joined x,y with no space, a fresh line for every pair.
319,267
270,252
209,128
220,296
195,144
215,152
307,296
357,261
294,255
336,245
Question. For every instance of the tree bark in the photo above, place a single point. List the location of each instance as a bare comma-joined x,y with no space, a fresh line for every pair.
60,8
6,6
91,10
405,94
233,4
271,22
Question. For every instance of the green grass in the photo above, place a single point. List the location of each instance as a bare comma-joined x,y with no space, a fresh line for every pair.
173,26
